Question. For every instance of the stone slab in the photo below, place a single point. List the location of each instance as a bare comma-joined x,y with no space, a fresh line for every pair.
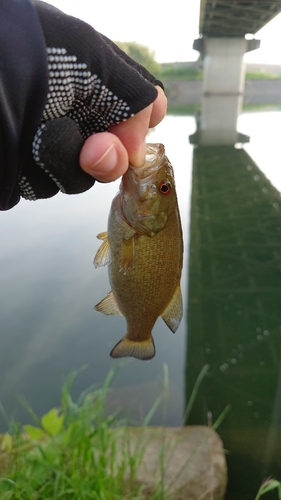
193,462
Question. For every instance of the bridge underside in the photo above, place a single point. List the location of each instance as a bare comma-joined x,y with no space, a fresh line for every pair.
222,44
235,18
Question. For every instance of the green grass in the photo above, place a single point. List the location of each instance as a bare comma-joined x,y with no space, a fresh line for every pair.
187,73
261,107
181,73
262,76
74,452
80,452
184,109
267,486
195,109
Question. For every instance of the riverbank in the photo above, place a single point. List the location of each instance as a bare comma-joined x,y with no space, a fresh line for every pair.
188,93
81,451
136,463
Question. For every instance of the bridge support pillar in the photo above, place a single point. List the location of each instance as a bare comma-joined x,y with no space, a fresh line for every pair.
223,89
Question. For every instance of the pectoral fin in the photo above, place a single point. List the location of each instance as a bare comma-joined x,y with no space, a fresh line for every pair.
103,255
173,312
102,236
108,305
128,254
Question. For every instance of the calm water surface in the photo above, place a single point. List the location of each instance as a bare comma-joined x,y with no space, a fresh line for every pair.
49,287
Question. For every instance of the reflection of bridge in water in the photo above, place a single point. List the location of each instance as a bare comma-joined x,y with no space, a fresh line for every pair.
234,297
234,313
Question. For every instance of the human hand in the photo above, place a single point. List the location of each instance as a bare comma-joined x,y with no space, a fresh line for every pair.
99,107
106,155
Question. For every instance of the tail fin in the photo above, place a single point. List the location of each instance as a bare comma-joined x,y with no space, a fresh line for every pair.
140,350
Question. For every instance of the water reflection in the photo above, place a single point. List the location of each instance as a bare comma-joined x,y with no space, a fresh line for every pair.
49,287
48,290
234,314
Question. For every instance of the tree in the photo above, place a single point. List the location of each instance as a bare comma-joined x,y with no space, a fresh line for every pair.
141,54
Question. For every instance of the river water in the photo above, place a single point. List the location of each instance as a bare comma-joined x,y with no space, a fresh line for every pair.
49,287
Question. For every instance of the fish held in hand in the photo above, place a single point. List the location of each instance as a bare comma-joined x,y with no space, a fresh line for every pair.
143,249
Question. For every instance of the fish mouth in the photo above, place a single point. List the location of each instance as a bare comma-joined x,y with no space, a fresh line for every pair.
153,161
136,177
139,192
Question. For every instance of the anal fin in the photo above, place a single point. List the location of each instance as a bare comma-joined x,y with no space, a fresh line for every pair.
108,305
172,315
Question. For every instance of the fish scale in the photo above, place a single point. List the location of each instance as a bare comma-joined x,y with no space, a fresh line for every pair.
142,280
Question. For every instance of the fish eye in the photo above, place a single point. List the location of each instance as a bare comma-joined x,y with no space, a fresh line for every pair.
165,187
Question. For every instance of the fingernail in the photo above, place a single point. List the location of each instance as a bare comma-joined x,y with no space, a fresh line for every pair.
139,158
107,161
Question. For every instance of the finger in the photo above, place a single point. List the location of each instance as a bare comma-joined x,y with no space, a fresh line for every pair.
159,108
104,157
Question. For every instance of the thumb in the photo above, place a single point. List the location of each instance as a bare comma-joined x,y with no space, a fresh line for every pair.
104,157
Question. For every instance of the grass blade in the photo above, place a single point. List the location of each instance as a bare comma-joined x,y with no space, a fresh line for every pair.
194,393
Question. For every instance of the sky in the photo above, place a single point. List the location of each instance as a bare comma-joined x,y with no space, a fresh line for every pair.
167,28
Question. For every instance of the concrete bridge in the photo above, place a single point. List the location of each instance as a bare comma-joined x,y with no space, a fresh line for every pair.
222,44
235,18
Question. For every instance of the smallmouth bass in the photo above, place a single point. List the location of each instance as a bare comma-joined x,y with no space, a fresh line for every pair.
143,247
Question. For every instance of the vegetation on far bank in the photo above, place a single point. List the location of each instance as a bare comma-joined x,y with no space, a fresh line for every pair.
173,71
180,73
189,73
195,109
262,76
184,109
142,55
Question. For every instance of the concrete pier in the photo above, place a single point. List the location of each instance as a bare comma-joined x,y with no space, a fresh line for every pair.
223,89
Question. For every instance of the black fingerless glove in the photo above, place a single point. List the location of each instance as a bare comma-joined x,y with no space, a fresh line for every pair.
92,84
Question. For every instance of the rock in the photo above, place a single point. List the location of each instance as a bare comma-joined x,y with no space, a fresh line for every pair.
193,461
